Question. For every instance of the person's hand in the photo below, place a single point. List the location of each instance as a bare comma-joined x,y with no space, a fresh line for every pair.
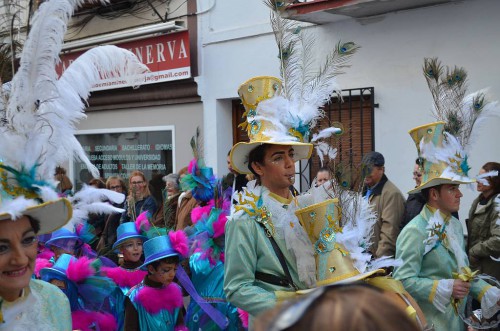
460,289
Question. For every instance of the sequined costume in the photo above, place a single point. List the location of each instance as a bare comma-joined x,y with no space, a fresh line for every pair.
249,250
44,305
160,319
421,274
208,281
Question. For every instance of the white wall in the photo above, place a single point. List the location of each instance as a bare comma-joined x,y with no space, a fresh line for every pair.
236,44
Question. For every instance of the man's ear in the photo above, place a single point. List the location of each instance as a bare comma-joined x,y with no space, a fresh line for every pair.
151,269
433,194
257,167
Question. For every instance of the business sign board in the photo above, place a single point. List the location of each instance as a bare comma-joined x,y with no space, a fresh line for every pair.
167,57
119,152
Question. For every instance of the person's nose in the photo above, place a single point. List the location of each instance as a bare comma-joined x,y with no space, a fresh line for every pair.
19,257
290,162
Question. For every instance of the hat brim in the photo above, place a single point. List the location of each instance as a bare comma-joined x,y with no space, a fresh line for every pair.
52,215
240,151
122,240
144,266
46,272
439,181
348,280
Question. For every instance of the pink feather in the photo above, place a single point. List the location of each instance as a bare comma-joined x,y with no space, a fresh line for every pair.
156,299
181,328
243,317
46,254
78,229
179,242
142,222
85,320
123,277
199,212
80,269
40,264
220,225
222,257
192,164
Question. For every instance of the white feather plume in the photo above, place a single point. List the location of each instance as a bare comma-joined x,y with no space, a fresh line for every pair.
91,200
42,111
482,178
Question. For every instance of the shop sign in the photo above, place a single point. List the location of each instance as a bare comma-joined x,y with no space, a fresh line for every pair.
167,57
118,153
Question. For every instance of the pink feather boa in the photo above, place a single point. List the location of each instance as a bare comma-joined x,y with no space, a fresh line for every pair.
243,317
156,299
91,320
40,264
220,225
199,212
179,242
46,254
193,165
123,277
80,269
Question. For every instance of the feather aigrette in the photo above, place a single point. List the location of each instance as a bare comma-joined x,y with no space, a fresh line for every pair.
463,113
305,89
42,110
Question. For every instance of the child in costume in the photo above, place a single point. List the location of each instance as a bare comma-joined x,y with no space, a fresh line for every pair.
207,268
130,245
96,302
156,303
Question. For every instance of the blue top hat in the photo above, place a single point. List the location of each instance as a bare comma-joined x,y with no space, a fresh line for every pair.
127,231
62,236
59,268
156,249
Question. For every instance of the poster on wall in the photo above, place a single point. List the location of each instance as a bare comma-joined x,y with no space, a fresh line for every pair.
119,153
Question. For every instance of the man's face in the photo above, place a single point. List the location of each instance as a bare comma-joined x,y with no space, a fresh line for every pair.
277,171
164,273
417,175
322,177
447,198
374,176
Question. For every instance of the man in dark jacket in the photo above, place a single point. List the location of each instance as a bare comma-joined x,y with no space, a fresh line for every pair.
415,201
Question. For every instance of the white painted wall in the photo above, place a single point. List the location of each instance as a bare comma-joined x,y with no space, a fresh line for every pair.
236,44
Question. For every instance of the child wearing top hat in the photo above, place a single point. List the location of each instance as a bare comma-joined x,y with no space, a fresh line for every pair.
155,303
130,245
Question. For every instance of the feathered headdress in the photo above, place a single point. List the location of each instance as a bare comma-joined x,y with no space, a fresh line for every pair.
444,145
41,112
463,113
285,111
207,236
200,179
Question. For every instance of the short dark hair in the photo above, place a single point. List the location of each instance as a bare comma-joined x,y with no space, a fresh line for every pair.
35,224
373,159
324,168
257,155
168,260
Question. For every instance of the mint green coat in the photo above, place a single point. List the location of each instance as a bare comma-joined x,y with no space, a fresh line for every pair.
420,274
248,250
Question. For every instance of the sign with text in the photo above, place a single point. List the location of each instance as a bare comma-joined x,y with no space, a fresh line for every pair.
167,56
118,154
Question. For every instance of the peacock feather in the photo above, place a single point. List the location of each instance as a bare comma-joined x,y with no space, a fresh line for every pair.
462,112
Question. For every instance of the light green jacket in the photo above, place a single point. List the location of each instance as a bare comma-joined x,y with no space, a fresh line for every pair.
249,250
420,274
